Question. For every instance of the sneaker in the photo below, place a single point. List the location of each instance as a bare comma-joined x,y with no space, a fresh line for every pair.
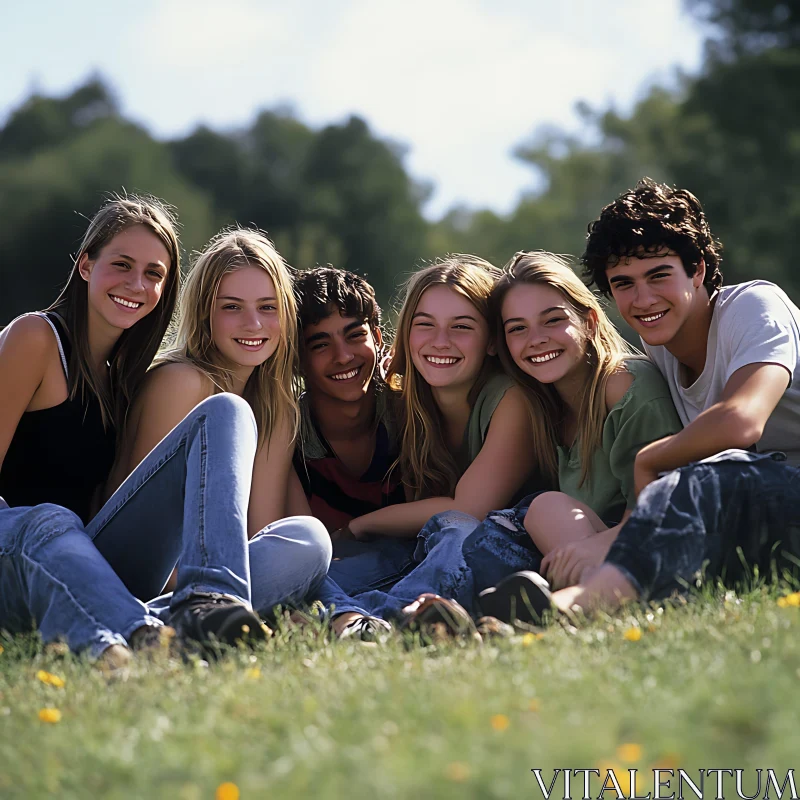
215,619
523,596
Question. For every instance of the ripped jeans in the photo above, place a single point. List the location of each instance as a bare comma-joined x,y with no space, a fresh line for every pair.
458,556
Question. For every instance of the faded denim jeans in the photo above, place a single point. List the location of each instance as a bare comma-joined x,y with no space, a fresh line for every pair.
185,504
722,517
458,556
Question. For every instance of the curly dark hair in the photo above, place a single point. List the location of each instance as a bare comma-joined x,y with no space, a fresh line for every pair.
323,291
649,219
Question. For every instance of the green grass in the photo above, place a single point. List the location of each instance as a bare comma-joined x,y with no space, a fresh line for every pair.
711,683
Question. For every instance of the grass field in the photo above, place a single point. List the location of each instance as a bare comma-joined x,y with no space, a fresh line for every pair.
713,683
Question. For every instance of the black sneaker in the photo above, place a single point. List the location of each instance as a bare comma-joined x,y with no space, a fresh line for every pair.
214,619
523,596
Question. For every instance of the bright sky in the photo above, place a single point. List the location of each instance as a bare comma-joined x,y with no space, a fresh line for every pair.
459,83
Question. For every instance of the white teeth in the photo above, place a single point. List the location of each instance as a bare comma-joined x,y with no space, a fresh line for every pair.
251,342
654,317
545,357
126,303
441,359
345,376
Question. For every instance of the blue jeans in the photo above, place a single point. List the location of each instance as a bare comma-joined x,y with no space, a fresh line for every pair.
725,516
52,573
185,503
458,556
376,564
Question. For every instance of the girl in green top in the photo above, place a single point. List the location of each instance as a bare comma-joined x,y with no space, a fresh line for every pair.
594,403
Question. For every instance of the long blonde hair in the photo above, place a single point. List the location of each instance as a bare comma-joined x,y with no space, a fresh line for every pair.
270,390
606,353
426,464
136,347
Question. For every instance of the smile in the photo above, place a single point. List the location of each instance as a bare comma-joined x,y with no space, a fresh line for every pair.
125,303
442,361
545,357
651,317
251,342
345,376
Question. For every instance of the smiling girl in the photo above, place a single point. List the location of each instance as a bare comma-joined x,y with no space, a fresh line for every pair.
233,364
594,404
67,377
443,363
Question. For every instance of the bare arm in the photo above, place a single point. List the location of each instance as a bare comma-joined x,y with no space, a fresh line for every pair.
736,421
504,462
297,502
27,349
271,476
168,394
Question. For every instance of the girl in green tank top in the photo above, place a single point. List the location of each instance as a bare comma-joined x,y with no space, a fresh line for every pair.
448,385
594,403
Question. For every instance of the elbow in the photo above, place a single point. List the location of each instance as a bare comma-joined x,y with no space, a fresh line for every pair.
742,430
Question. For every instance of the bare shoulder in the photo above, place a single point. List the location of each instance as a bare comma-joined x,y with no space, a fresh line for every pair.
617,385
27,348
179,383
30,335
513,403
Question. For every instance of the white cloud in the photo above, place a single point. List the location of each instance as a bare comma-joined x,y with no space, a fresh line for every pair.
461,82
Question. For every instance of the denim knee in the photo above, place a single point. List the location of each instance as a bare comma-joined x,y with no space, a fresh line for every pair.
315,541
42,523
227,408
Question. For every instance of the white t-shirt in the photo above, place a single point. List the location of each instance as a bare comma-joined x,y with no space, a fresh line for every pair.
752,323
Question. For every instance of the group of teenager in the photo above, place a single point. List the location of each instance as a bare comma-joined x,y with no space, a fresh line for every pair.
509,454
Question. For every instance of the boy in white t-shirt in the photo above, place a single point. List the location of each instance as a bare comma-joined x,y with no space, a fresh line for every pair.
731,356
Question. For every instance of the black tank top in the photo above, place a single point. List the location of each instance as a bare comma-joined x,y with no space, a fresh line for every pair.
60,454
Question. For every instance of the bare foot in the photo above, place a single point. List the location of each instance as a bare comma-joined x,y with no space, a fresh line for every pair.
606,588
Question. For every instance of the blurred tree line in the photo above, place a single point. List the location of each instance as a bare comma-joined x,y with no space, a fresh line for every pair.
730,134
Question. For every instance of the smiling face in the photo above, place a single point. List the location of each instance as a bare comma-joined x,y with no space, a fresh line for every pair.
655,295
245,326
126,278
340,355
545,337
449,339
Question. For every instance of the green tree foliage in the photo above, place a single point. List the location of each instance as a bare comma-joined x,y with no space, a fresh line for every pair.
731,135
52,179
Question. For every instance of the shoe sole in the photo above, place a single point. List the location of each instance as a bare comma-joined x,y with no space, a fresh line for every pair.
523,596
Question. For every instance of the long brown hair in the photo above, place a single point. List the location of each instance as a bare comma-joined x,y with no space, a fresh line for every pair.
136,347
606,353
270,390
426,464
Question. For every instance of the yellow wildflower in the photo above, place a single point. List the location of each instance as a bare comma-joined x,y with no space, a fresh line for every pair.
782,602
50,679
500,722
254,673
1,648
458,771
528,639
629,752
667,761
49,715
622,775
227,791
633,634
791,600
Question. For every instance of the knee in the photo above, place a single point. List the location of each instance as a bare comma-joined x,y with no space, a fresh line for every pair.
229,409
314,543
541,506
45,522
